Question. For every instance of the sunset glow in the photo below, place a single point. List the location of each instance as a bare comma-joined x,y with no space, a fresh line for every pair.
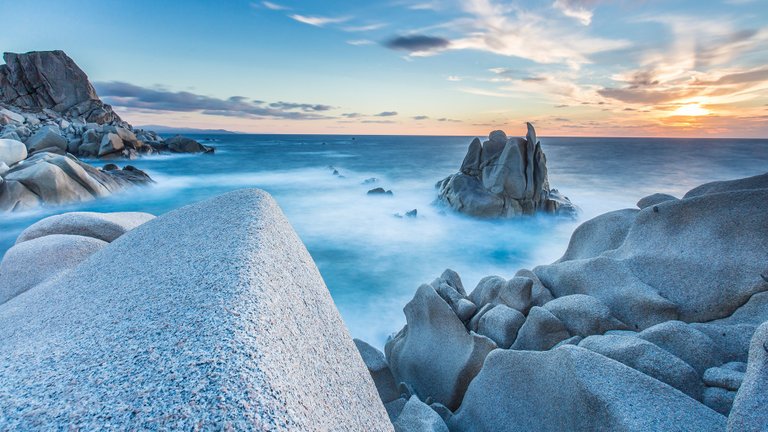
438,67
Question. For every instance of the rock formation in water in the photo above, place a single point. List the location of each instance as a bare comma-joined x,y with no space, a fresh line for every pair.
210,317
48,103
644,323
503,178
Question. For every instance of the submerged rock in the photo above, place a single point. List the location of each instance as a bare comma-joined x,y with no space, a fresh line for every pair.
503,178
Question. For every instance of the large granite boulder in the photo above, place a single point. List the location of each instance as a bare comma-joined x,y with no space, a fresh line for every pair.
220,324
47,138
750,408
30,263
47,178
180,144
12,151
103,226
571,388
416,416
503,178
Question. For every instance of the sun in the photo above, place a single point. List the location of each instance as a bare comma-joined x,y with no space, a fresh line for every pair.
691,110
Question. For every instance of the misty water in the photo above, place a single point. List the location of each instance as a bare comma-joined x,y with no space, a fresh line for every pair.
373,261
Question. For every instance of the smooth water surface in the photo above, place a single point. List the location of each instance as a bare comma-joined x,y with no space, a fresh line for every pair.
373,261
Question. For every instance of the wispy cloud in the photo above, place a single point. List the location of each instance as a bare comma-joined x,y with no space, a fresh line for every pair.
417,43
126,95
360,42
386,114
273,6
576,9
318,21
365,28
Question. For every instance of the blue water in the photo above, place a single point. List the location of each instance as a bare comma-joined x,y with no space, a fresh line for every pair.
372,261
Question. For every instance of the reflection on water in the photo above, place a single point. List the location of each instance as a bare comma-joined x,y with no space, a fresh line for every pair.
371,261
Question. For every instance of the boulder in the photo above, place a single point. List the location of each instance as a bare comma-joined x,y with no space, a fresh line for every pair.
750,408
722,377
649,359
571,388
600,234
379,191
12,151
685,342
225,321
515,293
28,264
379,369
110,143
540,331
46,137
417,416
102,226
14,196
501,324
719,399
742,184
180,144
584,315
503,178
395,407
10,117
434,353
49,182
653,199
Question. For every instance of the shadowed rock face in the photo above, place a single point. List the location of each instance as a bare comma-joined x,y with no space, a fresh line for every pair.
50,80
643,324
502,178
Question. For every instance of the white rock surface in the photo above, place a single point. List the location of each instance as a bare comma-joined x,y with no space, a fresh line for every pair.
750,408
26,265
224,323
12,151
102,226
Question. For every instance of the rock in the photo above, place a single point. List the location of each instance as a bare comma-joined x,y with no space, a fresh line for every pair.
600,234
394,408
14,196
652,200
719,399
46,137
540,295
503,178
450,288
56,179
750,408
225,320
501,324
540,331
471,164
379,191
649,359
103,226
515,293
26,265
724,378
584,315
379,369
8,117
742,184
110,143
412,214
417,416
12,151
180,144
371,180
434,353
3,169
571,388
685,342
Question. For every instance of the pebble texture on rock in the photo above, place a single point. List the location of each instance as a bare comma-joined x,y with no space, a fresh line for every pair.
221,324
503,178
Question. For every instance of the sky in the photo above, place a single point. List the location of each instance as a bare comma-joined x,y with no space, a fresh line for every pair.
669,68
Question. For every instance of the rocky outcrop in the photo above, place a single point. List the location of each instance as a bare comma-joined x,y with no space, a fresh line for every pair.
50,179
57,244
47,102
210,317
646,320
503,178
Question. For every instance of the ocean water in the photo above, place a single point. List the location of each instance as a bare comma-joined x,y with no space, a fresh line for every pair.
373,261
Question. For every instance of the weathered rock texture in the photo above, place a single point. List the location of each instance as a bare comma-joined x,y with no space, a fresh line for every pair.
643,324
47,102
218,320
503,178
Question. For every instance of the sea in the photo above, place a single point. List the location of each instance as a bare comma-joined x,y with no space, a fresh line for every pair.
372,260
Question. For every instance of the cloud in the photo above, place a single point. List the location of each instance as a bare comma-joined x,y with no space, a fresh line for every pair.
417,43
444,119
453,78
352,115
379,121
420,117
365,28
386,114
575,9
126,95
360,42
317,21
273,6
